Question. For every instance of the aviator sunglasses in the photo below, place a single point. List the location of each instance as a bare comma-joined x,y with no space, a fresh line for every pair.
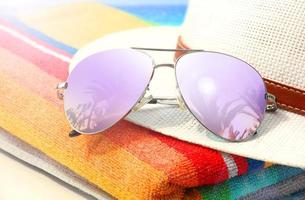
225,94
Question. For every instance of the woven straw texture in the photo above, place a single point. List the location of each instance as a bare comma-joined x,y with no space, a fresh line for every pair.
270,35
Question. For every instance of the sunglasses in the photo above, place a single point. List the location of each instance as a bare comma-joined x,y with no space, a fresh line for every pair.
225,94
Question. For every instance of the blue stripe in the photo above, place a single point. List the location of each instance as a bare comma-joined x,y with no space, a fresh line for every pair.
41,35
254,165
171,15
263,178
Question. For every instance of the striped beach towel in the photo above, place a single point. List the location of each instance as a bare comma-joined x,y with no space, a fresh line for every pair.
127,161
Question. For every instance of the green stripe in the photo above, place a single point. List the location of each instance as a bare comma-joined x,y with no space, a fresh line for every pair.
221,191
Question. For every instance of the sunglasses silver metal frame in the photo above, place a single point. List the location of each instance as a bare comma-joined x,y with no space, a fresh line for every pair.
147,98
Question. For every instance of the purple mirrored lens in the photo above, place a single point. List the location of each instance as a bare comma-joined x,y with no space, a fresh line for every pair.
104,87
224,93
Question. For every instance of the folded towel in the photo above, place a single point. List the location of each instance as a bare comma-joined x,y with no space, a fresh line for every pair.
127,161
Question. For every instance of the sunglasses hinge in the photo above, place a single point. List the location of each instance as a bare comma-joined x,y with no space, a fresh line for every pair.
271,102
60,89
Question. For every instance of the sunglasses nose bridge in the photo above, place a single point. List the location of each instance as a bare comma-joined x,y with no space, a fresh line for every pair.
164,65
148,98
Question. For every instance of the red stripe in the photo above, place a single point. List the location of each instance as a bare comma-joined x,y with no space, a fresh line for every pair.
211,168
241,163
31,37
45,62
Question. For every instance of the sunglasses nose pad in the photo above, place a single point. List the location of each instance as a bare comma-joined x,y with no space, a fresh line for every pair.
180,100
147,97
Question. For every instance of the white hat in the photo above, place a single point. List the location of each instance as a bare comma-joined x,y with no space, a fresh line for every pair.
270,35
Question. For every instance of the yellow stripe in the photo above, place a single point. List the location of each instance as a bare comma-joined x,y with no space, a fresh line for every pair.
80,23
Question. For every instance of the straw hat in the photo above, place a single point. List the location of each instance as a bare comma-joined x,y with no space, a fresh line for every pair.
270,35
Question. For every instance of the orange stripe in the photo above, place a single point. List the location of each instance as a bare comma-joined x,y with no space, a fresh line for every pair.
142,143
105,164
115,171
267,164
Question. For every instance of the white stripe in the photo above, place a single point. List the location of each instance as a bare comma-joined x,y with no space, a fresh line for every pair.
35,44
231,165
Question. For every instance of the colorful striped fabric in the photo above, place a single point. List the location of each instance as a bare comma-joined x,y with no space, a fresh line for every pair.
127,161
275,182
